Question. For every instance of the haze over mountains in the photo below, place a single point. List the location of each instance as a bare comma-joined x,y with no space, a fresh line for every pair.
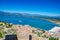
27,15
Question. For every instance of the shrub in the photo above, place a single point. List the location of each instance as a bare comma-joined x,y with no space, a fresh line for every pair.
39,34
52,38
43,31
8,26
33,31
1,24
1,35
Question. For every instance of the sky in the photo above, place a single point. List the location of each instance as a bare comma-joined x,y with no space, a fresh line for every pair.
42,7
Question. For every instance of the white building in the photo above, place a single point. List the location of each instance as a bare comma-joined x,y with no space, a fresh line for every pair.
56,29
55,32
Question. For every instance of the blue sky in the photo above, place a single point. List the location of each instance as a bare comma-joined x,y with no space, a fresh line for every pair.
43,7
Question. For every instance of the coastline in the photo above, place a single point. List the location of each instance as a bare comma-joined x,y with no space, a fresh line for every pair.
54,21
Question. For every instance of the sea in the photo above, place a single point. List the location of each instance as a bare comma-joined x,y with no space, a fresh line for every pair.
34,22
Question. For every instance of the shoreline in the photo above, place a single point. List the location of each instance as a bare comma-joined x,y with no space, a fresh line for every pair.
31,26
54,21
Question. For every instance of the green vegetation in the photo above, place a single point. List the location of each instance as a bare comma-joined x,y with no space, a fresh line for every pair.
39,34
1,24
1,35
5,23
43,31
3,31
52,38
33,31
8,26
44,36
13,31
0,29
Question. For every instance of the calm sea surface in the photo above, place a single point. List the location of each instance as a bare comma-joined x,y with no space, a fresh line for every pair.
38,23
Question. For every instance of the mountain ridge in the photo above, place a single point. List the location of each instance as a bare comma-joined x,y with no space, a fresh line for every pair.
28,15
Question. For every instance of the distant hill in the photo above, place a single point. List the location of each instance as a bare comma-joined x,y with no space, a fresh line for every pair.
28,15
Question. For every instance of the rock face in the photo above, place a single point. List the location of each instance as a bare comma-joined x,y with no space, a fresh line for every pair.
23,33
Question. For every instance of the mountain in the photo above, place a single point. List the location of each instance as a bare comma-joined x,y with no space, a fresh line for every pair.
11,14
28,15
